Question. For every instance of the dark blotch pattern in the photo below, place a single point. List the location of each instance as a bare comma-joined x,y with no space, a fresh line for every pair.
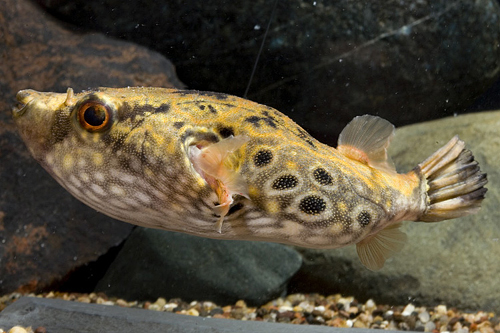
364,218
130,111
305,136
285,182
212,109
117,141
164,108
267,119
254,120
226,132
146,108
312,205
322,176
262,158
178,124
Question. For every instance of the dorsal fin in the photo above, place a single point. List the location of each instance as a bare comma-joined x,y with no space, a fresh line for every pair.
366,139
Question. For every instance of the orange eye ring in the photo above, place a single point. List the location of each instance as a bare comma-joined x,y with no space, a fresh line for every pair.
94,116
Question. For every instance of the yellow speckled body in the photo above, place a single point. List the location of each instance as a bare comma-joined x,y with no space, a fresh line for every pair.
138,168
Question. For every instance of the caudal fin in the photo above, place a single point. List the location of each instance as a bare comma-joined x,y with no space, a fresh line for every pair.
455,184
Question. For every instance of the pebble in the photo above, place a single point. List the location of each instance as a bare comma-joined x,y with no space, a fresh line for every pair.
370,305
19,329
408,310
302,309
441,310
192,312
424,317
430,326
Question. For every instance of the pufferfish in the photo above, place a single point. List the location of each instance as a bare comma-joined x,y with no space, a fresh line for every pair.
219,166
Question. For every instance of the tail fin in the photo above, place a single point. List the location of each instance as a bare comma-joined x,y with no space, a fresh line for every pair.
455,184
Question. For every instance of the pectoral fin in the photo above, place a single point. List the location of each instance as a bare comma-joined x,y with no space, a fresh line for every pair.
217,164
376,249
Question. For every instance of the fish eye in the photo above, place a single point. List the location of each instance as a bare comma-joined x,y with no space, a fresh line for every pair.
94,116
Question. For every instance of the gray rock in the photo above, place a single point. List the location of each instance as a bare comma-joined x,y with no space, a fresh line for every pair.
454,262
156,263
324,61
44,232
58,316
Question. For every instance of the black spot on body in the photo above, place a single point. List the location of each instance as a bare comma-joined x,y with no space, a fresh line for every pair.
212,109
131,111
178,124
270,122
225,132
312,205
322,176
164,108
262,158
364,218
254,120
201,106
267,119
285,182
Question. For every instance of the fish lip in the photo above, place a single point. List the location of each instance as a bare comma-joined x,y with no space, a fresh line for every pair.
18,110
24,97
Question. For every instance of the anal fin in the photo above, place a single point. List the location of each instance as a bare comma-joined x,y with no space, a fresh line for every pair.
376,249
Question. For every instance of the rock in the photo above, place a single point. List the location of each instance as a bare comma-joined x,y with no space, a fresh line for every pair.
451,262
68,317
156,263
324,61
44,232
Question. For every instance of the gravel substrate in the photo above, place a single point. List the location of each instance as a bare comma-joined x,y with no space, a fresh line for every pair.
302,309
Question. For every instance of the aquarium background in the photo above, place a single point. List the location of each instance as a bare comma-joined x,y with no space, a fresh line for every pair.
323,63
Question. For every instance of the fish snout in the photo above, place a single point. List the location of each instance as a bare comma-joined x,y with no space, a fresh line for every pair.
35,117
23,97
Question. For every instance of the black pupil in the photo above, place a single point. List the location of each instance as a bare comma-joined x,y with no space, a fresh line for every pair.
95,115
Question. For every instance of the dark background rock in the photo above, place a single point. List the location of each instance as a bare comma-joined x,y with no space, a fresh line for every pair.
44,232
451,262
324,61
157,263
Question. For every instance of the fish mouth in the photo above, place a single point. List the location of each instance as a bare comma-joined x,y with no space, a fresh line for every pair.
24,97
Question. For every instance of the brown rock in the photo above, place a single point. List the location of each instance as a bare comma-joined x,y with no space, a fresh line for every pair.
44,232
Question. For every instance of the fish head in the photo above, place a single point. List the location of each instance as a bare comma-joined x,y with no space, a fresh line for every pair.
108,147
35,117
